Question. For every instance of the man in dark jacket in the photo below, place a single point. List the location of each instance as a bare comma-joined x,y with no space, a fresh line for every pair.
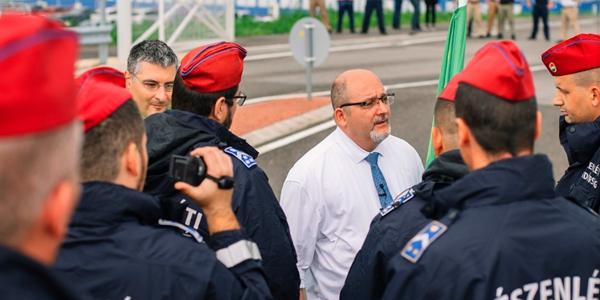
40,141
117,246
205,96
575,65
505,235
539,9
391,229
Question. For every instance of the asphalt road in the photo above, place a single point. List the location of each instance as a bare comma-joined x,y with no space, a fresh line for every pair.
412,112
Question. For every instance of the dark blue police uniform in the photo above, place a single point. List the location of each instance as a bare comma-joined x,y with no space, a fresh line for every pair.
394,226
255,205
23,278
582,146
506,236
116,249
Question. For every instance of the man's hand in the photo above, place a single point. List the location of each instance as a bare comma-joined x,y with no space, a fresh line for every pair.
215,202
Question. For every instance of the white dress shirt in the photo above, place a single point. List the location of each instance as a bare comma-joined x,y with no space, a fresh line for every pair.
329,199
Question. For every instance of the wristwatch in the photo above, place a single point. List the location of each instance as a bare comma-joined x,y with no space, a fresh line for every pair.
223,182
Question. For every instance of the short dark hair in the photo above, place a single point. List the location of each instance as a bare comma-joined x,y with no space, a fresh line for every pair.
152,51
106,142
444,116
198,103
498,125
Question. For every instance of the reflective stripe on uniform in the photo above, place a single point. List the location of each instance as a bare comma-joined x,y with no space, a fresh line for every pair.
186,230
238,252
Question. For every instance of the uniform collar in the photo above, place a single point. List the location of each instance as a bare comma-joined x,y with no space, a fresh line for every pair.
441,173
448,167
580,141
223,134
354,151
504,181
18,269
104,203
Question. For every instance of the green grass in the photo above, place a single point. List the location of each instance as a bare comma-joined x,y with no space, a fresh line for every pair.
247,26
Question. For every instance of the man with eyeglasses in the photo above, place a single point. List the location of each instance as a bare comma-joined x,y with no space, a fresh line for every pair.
151,68
333,192
394,226
206,95
506,234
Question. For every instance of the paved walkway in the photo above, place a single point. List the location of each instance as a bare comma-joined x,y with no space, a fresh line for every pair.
263,122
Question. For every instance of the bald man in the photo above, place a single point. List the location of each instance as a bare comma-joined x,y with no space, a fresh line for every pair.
333,192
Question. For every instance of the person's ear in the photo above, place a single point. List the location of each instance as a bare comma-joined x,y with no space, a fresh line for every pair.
538,125
595,94
58,208
437,141
464,133
340,117
128,79
219,111
132,160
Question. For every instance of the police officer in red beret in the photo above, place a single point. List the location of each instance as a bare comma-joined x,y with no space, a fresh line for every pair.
410,211
206,95
506,234
118,247
575,65
40,140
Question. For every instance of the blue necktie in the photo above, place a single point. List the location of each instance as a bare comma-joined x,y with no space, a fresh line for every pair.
380,185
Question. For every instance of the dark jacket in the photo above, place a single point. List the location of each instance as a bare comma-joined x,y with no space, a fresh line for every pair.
506,236
23,278
391,229
116,249
255,205
582,146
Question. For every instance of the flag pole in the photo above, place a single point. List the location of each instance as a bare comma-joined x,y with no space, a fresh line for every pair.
453,59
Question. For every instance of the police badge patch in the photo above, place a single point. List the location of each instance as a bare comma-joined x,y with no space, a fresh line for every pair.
418,244
246,159
398,201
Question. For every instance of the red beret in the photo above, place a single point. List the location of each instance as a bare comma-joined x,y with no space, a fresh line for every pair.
500,69
101,92
37,63
449,91
213,68
579,53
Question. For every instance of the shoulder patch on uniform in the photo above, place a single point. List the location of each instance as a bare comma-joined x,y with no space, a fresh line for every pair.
398,201
246,159
419,243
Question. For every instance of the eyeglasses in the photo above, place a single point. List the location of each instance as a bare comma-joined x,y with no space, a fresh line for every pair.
153,86
387,99
240,99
